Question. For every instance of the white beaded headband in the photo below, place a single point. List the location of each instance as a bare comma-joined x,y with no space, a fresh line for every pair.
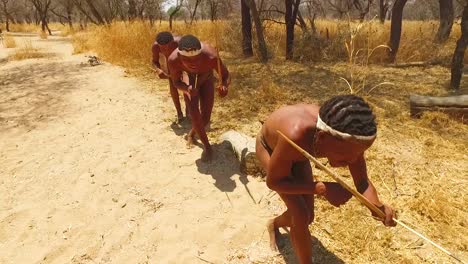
190,53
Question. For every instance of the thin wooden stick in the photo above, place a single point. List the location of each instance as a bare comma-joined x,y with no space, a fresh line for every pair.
427,239
359,196
217,54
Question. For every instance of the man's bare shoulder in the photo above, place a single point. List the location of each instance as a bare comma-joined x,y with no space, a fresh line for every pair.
209,51
173,58
294,120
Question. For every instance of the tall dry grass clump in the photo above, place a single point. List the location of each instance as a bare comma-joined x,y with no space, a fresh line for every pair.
26,51
9,41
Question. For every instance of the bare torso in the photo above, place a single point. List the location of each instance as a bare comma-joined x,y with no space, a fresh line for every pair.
295,121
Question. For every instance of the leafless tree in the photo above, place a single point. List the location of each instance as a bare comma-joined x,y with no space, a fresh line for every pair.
259,29
213,4
314,8
88,8
446,20
173,11
362,7
395,29
384,6
64,9
340,7
5,10
42,9
290,17
246,30
192,7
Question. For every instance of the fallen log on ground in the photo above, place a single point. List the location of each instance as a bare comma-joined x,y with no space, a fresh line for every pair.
418,64
453,105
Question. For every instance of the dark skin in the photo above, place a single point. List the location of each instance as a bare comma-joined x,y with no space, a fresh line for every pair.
289,173
166,50
200,89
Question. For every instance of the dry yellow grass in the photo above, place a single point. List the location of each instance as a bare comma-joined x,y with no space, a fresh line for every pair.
9,41
43,34
418,165
26,51
26,28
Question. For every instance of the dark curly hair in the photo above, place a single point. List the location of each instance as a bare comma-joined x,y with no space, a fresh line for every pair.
164,37
189,42
349,114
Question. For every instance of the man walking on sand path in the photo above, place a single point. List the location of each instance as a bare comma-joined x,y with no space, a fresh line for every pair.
162,48
341,130
198,60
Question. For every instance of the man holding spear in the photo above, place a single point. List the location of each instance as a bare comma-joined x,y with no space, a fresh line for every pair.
198,60
340,130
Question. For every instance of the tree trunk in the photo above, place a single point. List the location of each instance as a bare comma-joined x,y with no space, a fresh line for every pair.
69,17
383,8
246,30
459,54
83,11
7,19
259,29
292,8
48,29
45,25
363,11
192,16
302,22
131,9
395,29
446,20
289,29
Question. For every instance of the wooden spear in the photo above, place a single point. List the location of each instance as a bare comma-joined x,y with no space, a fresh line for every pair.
217,54
359,196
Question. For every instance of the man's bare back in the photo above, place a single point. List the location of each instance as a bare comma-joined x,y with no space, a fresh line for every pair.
290,174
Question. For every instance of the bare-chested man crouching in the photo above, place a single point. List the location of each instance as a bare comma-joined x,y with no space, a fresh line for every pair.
198,60
340,130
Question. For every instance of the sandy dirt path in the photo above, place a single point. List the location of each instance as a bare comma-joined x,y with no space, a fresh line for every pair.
93,171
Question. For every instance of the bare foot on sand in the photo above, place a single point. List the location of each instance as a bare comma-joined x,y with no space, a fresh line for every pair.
180,118
273,232
207,155
190,137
